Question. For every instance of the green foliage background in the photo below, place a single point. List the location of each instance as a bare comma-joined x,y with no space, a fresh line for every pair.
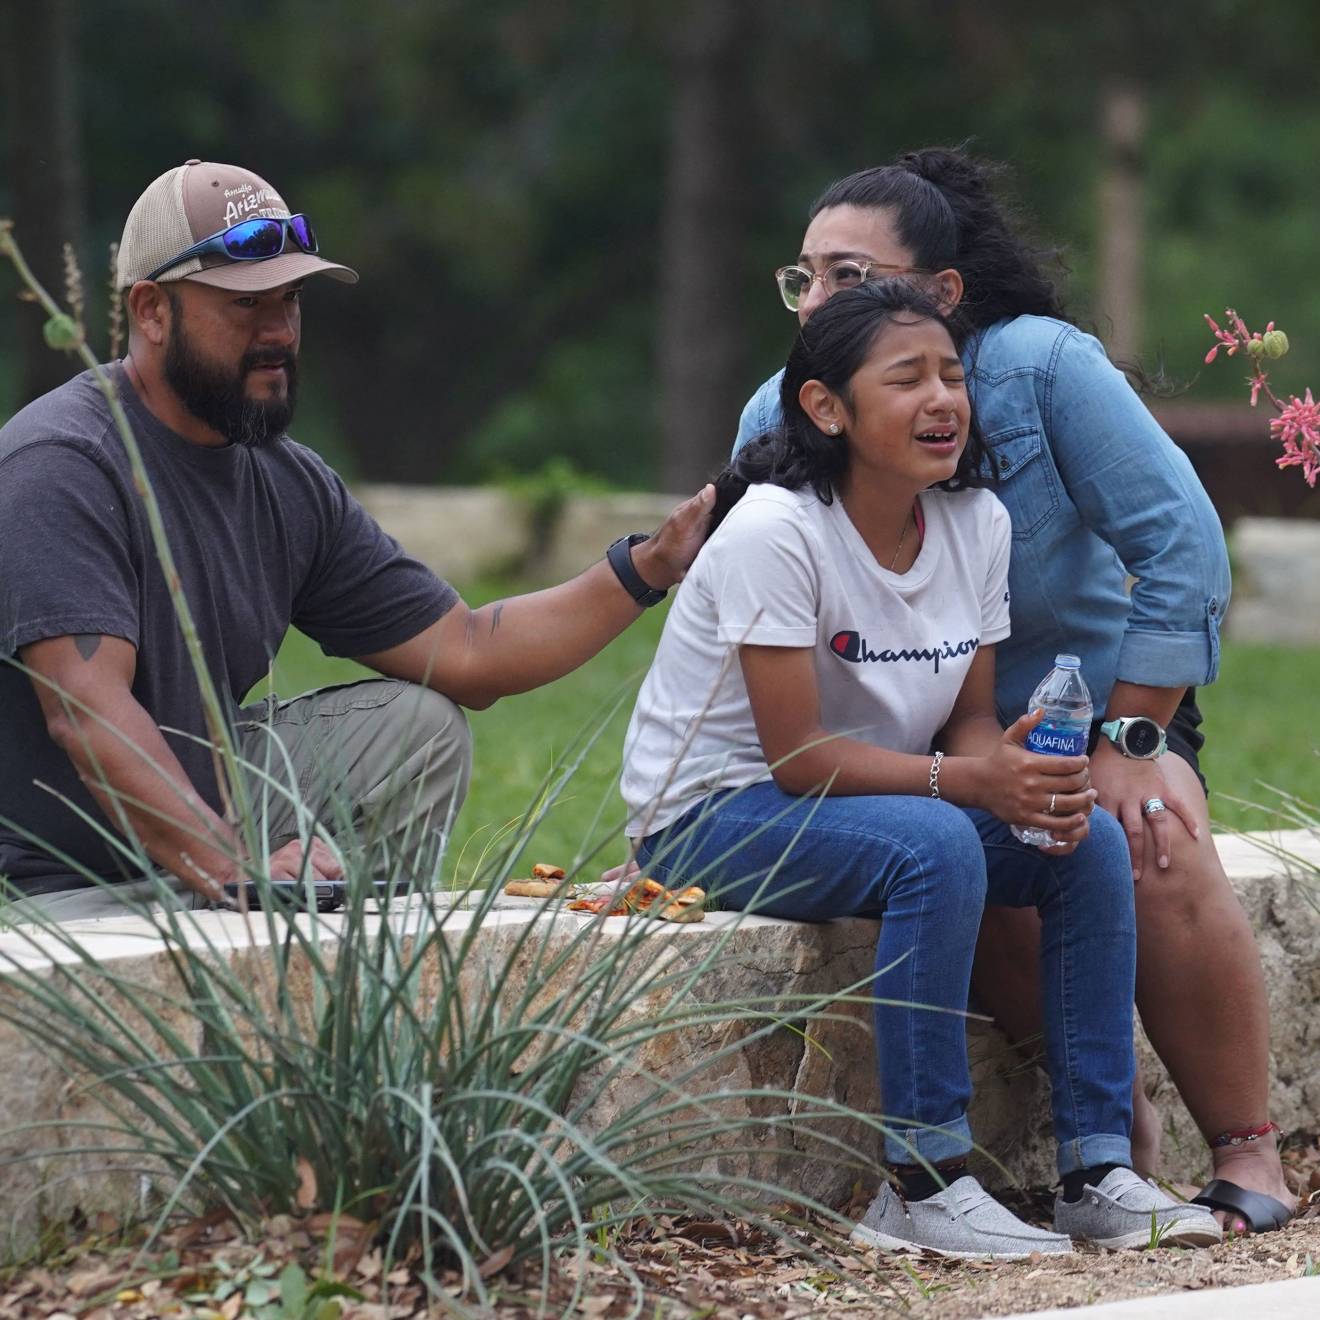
497,172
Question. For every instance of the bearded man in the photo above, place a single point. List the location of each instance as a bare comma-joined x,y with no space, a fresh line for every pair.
101,716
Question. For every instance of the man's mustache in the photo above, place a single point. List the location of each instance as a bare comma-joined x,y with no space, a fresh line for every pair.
254,361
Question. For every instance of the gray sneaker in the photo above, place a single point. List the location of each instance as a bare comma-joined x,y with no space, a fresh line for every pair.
1127,1211
963,1221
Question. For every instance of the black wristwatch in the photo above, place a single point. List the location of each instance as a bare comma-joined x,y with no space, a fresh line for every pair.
620,557
1138,737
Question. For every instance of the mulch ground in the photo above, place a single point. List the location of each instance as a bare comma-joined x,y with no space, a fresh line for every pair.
690,1269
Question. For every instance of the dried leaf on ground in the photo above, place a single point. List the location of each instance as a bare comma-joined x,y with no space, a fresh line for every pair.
305,1197
352,1237
494,1264
687,1266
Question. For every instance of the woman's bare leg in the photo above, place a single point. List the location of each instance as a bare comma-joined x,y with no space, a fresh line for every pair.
1201,994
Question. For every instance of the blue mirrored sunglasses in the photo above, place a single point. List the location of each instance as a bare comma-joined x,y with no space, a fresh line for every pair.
249,240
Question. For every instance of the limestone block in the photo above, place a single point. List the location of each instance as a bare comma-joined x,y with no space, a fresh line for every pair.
1276,590
588,523
466,532
732,1067
1010,1112
459,532
36,1087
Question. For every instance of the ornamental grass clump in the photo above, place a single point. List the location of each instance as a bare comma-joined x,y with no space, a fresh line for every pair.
475,1087
479,1085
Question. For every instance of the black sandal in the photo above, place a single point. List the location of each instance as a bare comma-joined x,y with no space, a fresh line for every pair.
1263,1213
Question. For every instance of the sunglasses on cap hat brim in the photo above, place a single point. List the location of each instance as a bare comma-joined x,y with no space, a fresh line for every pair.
262,239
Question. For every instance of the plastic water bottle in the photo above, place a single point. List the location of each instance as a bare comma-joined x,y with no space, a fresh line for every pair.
1066,728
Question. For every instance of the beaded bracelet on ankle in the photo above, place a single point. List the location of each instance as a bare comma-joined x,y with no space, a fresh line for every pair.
1240,1136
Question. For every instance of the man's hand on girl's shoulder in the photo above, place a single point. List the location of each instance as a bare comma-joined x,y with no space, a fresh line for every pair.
663,560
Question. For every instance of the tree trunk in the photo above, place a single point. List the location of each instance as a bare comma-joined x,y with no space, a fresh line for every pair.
1122,206
701,234
45,167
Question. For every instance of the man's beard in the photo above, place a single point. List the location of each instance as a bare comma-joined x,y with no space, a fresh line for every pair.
216,397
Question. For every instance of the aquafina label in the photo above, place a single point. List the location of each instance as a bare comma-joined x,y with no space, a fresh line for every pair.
1066,728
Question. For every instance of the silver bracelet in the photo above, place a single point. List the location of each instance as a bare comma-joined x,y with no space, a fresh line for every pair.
935,775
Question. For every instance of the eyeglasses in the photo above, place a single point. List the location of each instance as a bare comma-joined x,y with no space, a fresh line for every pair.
249,240
795,281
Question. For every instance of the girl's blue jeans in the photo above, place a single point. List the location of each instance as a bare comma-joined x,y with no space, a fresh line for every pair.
929,868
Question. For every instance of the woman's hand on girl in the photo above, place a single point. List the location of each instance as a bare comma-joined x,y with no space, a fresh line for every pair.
1125,786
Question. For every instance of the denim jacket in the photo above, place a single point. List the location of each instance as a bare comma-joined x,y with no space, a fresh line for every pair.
1097,493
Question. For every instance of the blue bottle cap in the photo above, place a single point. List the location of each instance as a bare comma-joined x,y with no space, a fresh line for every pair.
1067,662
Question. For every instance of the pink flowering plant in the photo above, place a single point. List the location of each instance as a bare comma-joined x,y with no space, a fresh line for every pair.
1297,427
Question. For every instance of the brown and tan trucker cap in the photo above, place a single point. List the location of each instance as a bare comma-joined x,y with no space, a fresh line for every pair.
200,198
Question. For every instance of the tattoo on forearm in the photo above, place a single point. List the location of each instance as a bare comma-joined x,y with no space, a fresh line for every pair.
495,617
87,643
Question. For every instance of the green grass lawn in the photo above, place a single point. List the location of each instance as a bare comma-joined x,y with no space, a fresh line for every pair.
518,740
1262,720
1262,727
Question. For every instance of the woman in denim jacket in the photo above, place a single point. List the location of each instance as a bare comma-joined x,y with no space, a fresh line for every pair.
1097,494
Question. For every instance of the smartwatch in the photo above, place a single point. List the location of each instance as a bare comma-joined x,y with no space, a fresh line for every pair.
620,556
1136,736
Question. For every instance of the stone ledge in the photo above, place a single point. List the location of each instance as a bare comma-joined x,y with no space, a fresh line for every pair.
1276,595
834,1059
465,532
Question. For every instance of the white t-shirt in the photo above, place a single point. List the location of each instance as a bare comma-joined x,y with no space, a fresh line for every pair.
785,569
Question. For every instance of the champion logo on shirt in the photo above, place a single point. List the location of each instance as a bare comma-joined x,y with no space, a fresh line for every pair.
851,646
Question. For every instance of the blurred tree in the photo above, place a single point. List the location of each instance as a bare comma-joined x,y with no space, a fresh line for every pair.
45,165
701,337
506,178
1122,215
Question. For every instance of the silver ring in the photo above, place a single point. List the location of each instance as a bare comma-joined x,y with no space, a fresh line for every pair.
1049,811
1152,807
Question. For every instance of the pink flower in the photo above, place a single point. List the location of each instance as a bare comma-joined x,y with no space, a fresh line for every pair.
1298,427
1226,340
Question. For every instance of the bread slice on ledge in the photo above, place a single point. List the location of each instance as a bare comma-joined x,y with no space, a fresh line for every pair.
647,895
540,888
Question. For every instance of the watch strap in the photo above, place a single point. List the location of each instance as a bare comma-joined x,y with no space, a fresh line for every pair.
620,558
1116,729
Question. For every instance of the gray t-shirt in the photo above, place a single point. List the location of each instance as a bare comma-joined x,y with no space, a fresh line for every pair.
262,538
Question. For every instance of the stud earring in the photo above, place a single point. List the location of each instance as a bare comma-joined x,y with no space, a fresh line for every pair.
833,428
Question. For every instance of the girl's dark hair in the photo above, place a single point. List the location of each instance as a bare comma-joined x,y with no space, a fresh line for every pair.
946,214
830,348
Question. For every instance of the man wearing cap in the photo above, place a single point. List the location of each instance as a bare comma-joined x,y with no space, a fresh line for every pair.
101,718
